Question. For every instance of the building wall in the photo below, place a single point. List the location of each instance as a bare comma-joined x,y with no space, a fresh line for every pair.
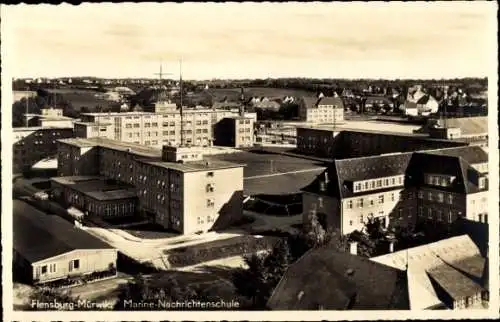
477,207
90,261
210,198
77,161
156,130
451,207
351,144
244,133
316,141
33,145
56,123
324,114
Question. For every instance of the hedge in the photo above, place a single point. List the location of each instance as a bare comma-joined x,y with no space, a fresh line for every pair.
235,246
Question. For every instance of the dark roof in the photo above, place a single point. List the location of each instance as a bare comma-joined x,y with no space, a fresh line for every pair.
424,99
309,101
329,100
422,163
324,279
348,170
38,236
472,154
456,284
450,161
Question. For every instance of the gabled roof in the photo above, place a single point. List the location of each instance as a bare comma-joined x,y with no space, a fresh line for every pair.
347,170
328,100
38,236
457,256
310,101
422,163
472,154
339,281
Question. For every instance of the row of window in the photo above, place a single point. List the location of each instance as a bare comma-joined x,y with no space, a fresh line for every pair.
378,183
439,180
436,196
434,214
244,130
201,221
244,122
371,202
52,268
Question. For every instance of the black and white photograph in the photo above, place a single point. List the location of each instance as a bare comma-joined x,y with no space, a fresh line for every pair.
262,158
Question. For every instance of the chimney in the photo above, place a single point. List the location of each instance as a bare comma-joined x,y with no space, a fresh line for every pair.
353,246
326,177
391,246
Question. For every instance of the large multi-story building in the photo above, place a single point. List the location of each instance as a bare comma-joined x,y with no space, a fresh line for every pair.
401,189
156,129
235,132
341,143
49,117
327,110
175,186
33,144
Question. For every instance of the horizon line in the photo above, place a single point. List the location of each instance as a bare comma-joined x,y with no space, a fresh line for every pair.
260,78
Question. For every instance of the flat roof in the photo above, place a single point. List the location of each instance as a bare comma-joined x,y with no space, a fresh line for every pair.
153,156
39,236
193,166
38,128
97,188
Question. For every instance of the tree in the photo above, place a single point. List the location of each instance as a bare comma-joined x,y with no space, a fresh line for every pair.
251,282
315,233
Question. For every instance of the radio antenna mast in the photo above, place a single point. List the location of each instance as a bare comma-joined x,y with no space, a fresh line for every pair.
181,102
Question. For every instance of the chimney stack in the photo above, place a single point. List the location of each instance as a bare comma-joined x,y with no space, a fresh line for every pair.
391,246
326,177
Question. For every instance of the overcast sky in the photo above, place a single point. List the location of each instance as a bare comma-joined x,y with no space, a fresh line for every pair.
330,40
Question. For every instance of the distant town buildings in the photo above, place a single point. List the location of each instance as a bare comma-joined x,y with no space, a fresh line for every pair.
175,186
401,189
327,110
473,130
419,103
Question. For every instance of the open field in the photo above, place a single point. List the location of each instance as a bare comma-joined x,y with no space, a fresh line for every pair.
234,93
79,98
